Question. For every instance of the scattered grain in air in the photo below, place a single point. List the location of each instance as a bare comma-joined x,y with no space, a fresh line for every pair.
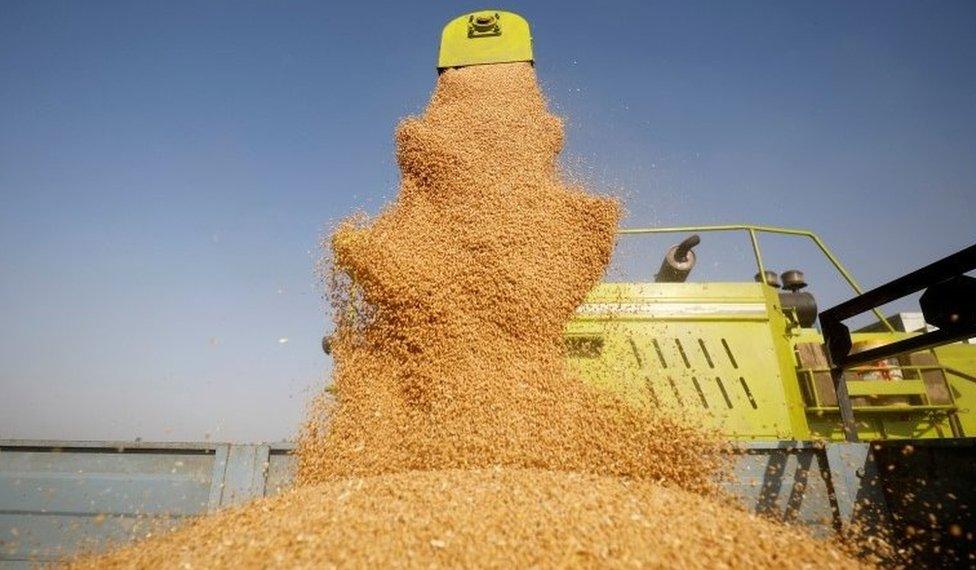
453,412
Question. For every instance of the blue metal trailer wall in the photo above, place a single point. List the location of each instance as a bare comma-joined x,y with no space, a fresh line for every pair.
58,498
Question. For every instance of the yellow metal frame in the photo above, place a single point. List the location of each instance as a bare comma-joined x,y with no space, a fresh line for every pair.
484,37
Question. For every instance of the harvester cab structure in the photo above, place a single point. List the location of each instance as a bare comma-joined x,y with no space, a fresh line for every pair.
747,358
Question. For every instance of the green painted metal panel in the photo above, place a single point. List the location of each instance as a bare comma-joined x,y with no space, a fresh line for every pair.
703,348
886,388
725,354
961,362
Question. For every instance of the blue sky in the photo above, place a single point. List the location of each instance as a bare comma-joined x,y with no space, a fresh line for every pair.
167,170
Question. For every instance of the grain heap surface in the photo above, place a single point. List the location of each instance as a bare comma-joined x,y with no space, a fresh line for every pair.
458,437
501,518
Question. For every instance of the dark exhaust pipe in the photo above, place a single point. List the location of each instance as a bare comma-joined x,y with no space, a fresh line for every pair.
678,261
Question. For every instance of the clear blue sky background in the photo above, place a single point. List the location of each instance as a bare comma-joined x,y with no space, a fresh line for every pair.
167,169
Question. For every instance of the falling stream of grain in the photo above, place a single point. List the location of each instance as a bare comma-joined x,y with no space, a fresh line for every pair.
458,437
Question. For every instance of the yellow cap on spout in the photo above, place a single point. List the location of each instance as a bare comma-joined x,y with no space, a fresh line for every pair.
486,36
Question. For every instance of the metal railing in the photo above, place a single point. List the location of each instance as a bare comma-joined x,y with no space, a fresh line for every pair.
911,380
753,231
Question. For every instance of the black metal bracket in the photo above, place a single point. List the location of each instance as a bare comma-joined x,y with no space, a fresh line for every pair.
949,302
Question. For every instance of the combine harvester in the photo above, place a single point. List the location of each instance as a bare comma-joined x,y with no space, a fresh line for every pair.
835,429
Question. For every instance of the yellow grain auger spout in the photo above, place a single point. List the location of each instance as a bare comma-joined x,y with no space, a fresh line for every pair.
484,37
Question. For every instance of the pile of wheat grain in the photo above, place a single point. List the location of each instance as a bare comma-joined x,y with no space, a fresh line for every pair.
458,437
501,518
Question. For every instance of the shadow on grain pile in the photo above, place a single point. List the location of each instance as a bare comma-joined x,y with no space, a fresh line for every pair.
458,438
